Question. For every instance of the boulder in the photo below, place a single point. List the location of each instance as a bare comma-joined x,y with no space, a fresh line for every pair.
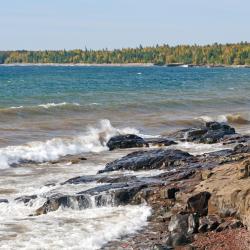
179,223
211,132
199,203
150,159
126,141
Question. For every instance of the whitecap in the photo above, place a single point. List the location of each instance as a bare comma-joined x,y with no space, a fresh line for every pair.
93,140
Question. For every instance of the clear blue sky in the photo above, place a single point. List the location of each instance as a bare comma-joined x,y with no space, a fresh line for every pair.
59,24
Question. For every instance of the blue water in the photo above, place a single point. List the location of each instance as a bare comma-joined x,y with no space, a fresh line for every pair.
149,98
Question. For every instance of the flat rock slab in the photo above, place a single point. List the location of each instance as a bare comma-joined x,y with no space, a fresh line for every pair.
150,159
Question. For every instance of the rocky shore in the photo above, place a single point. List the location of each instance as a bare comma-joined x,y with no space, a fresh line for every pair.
198,201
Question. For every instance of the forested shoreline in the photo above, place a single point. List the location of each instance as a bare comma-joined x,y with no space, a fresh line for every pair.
215,54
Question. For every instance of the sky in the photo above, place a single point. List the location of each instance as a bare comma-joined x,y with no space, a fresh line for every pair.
97,24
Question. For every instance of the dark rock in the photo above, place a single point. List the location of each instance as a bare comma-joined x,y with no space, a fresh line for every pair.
126,141
178,223
160,142
209,223
241,148
193,223
223,226
235,138
177,239
232,224
26,198
169,193
212,132
81,179
4,201
199,203
117,179
220,153
111,194
235,224
151,159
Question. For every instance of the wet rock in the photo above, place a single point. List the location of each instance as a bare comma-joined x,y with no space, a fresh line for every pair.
4,201
242,148
199,203
81,179
235,138
126,141
111,194
117,179
212,132
54,202
160,142
26,198
72,159
151,159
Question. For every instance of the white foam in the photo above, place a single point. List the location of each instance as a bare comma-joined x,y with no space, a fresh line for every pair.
220,118
199,148
93,140
73,229
18,107
49,105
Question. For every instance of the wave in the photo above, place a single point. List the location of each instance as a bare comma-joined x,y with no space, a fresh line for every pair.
93,140
229,118
49,105
46,106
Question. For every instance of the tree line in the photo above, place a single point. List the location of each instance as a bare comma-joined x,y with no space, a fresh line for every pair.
215,54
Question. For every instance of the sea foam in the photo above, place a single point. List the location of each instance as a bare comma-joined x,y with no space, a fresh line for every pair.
93,140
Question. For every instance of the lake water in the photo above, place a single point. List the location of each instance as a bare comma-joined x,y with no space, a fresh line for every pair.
51,111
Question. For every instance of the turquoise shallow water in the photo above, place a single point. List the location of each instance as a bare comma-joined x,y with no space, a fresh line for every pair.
42,102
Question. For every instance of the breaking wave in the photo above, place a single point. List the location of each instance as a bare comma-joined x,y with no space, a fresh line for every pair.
46,106
230,118
93,140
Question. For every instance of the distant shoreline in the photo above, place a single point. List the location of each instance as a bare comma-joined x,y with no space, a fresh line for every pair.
125,65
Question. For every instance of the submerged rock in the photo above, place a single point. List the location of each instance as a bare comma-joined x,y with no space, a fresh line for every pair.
26,198
4,201
199,203
126,141
151,159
